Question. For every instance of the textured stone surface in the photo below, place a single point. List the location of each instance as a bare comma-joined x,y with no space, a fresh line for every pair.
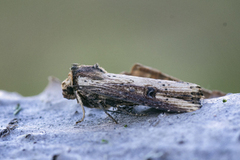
46,130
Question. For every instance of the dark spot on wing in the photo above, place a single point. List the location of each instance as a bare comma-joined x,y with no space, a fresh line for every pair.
151,92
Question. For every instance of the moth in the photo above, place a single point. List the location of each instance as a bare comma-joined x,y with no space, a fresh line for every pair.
94,87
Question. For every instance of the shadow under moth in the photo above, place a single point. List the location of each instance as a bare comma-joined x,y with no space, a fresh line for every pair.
94,87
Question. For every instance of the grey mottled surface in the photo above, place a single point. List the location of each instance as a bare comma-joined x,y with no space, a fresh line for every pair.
46,130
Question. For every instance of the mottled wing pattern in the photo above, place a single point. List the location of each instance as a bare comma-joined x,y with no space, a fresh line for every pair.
165,95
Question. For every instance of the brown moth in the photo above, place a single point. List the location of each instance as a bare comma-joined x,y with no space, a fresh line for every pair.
94,87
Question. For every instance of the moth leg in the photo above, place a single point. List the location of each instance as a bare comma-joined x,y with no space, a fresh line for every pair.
128,111
122,110
100,105
81,104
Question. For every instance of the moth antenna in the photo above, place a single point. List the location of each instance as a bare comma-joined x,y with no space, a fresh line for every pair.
81,104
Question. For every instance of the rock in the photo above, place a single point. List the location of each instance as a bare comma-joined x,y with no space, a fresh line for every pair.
46,130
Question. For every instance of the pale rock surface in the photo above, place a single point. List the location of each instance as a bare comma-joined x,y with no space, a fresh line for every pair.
46,130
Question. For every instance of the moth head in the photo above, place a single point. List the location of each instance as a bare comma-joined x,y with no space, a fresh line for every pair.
83,71
67,87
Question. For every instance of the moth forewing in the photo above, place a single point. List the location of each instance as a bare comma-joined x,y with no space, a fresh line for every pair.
166,95
97,87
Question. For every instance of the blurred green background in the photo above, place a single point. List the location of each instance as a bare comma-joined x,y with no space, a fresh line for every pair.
196,41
